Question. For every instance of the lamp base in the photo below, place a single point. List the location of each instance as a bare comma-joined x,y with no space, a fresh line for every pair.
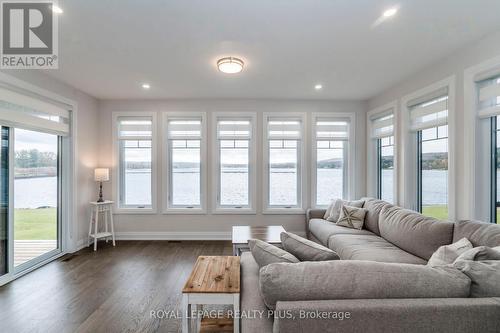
100,193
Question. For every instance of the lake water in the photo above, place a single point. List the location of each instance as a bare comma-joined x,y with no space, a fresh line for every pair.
36,192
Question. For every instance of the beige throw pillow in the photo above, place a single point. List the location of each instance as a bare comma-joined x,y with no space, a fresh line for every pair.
447,254
352,217
336,206
305,249
265,253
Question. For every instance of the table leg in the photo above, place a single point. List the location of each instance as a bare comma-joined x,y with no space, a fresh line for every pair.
236,308
185,313
235,250
112,226
106,223
96,228
90,225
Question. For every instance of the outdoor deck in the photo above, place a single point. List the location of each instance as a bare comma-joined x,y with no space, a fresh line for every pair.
25,250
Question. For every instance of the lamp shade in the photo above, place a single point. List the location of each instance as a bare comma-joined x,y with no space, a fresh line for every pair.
101,174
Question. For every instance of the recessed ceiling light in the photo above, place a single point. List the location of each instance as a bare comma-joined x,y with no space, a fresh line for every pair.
146,86
230,65
57,9
318,87
390,12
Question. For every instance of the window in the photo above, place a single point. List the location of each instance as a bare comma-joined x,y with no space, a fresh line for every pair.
135,155
283,162
184,162
429,119
385,164
495,169
330,160
489,108
382,134
234,163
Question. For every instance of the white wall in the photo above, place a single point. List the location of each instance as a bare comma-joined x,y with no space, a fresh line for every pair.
86,149
455,64
217,226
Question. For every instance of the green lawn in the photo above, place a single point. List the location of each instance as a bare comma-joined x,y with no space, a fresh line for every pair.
439,212
35,224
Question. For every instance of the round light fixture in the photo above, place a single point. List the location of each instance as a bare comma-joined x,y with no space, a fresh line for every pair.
318,87
146,86
230,65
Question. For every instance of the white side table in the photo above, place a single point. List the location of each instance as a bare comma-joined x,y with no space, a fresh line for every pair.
96,208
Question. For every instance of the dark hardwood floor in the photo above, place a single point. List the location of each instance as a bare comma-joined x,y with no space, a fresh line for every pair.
111,290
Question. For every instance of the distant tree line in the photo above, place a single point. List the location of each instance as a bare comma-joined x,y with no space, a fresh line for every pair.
34,158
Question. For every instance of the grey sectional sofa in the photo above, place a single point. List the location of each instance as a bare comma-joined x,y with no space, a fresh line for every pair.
395,236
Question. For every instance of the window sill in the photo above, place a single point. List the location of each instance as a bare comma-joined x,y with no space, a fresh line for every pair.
235,211
184,211
284,211
134,211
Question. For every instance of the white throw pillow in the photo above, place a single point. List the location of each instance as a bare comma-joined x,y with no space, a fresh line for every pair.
336,206
352,217
447,254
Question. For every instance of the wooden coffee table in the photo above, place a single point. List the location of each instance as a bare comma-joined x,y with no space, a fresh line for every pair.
214,280
241,235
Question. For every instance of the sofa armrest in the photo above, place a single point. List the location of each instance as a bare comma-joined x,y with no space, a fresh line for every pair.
313,213
414,315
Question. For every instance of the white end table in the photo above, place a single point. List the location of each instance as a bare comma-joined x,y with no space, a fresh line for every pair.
105,207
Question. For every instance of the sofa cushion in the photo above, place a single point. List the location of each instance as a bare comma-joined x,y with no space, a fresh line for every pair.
485,276
414,232
250,299
265,253
348,279
322,230
370,247
304,249
336,206
447,254
373,206
479,233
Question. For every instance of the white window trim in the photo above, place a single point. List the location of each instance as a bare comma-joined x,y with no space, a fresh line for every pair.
302,169
166,163
349,153
371,145
477,198
116,161
408,183
252,195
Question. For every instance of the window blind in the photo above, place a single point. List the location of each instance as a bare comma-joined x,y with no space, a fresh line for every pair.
231,129
331,129
431,112
382,125
23,111
135,128
284,129
189,128
489,97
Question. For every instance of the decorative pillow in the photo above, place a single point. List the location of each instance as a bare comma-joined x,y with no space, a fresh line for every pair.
336,206
265,253
481,253
447,254
306,250
352,217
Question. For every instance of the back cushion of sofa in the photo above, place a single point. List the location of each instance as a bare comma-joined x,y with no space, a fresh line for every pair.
374,207
414,232
478,233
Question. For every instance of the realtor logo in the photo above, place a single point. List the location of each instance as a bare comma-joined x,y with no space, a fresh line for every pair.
29,35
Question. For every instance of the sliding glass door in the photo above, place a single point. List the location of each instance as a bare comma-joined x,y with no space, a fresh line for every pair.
36,195
4,200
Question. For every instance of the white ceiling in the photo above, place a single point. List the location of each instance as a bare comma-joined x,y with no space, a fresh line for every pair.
108,48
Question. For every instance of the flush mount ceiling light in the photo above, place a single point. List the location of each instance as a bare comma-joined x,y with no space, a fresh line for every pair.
390,12
230,65
318,87
146,86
